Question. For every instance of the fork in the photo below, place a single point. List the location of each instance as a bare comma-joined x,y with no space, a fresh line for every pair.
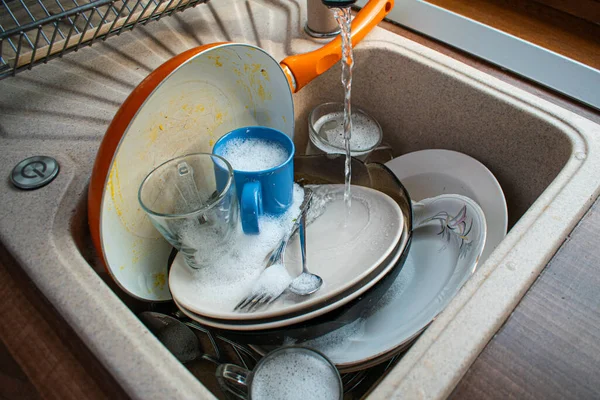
259,297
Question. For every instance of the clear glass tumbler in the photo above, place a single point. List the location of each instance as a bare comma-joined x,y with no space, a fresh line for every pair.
289,372
193,205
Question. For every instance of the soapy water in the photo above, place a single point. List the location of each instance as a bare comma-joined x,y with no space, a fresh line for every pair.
295,374
253,154
365,132
340,233
226,277
330,198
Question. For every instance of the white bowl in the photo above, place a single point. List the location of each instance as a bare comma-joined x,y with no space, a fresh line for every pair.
430,173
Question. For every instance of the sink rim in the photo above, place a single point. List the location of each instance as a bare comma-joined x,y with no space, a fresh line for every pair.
411,377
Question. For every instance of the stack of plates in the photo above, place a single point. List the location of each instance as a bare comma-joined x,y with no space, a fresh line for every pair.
445,185
448,239
357,264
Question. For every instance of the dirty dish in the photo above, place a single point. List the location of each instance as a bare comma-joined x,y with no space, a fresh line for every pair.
429,173
338,311
341,257
448,239
183,107
330,316
327,316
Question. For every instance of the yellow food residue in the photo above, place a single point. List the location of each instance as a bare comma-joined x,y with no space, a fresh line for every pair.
217,60
159,280
115,189
265,74
137,250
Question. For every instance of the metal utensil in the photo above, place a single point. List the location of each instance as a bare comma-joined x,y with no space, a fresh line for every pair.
259,296
306,283
176,336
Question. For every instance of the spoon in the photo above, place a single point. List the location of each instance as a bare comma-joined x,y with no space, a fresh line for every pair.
305,283
277,254
259,295
176,336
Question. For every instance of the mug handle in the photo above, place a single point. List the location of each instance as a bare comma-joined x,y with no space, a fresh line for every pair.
251,207
233,379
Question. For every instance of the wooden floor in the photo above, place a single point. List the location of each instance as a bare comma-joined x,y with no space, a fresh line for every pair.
40,355
574,34
14,383
550,346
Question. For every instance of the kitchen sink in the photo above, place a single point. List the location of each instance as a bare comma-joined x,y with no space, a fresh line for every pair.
545,158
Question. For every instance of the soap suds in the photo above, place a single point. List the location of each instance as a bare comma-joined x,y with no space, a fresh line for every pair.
228,278
253,154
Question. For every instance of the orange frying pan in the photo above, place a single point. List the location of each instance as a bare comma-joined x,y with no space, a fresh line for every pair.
184,106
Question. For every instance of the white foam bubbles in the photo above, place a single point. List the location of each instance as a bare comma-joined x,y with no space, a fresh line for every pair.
365,131
225,279
273,281
254,154
295,375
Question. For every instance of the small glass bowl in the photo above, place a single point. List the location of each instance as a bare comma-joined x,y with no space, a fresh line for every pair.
326,133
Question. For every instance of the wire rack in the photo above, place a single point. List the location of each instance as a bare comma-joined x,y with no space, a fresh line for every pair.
35,31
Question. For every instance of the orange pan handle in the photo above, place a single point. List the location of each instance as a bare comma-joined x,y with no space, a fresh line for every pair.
306,67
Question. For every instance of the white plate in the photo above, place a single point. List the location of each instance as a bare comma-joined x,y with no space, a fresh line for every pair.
343,255
429,173
249,326
432,275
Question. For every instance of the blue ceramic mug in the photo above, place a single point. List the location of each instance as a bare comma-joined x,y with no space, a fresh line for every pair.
268,191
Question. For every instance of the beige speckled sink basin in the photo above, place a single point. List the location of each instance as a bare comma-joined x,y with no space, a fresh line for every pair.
546,159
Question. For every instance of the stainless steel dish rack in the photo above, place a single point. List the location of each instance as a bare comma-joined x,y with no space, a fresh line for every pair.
36,31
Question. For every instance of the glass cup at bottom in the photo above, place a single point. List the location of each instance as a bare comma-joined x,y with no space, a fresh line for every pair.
290,372
196,213
326,133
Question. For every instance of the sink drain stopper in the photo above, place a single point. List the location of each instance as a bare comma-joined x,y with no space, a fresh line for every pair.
34,172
